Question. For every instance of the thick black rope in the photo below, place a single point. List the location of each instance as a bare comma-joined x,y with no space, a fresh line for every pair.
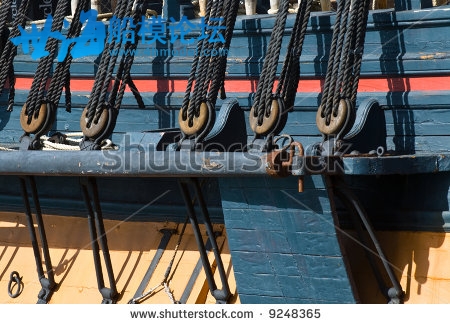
263,99
331,62
202,81
209,71
359,47
61,76
5,8
290,73
340,30
218,73
195,64
108,62
38,87
344,65
123,77
103,76
9,53
136,93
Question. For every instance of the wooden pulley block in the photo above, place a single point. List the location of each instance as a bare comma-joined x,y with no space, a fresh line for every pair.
97,127
198,123
337,121
36,123
269,121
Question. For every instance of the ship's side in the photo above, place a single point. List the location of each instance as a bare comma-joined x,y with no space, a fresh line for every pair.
286,246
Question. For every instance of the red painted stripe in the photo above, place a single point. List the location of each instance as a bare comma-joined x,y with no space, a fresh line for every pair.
433,83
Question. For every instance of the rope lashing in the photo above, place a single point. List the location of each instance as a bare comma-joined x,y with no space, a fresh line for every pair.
269,111
9,50
98,118
197,113
336,113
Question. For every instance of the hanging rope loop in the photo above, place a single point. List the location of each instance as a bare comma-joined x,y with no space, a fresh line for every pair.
197,113
337,111
99,116
269,112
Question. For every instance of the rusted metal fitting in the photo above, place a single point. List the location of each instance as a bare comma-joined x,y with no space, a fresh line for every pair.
300,152
279,162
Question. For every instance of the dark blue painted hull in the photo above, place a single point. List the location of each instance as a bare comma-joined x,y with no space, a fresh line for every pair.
284,244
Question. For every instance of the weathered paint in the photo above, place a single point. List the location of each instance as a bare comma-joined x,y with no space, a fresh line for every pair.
419,260
283,243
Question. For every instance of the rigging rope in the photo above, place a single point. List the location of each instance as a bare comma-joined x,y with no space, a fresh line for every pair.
336,113
37,95
263,98
208,71
98,119
269,111
290,73
9,50
61,76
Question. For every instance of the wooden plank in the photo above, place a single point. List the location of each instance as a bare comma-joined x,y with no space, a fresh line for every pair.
286,275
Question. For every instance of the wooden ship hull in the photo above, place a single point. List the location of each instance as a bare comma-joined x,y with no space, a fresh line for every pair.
368,227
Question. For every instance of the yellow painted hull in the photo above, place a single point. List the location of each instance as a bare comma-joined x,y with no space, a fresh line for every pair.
132,247
420,260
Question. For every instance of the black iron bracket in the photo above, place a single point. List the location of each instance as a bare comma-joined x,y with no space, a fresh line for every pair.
363,226
48,283
221,295
98,240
